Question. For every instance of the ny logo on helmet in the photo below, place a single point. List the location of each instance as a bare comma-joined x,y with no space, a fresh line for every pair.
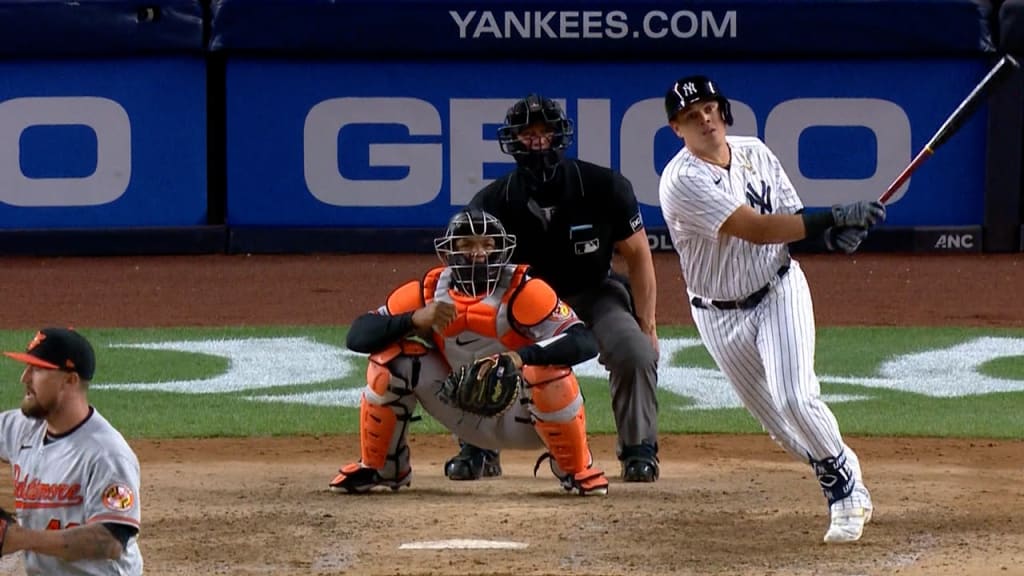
689,89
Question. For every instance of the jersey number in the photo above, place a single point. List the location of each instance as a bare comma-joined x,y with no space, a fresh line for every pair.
54,524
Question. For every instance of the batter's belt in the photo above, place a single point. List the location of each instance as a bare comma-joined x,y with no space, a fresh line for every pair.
745,303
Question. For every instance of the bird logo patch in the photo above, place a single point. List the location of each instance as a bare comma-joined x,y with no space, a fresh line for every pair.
118,497
561,312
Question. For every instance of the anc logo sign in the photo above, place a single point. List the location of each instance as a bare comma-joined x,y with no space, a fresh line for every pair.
257,363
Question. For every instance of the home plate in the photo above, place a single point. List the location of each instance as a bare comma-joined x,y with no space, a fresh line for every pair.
461,544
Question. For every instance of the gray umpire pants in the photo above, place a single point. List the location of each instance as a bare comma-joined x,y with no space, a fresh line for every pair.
628,355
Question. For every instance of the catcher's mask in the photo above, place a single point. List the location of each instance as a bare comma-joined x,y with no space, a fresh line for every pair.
475,247
692,89
520,136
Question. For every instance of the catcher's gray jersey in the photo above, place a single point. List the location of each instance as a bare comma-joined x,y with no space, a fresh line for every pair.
86,476
485,327
482,327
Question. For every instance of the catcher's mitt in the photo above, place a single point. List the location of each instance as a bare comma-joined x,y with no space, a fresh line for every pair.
487,387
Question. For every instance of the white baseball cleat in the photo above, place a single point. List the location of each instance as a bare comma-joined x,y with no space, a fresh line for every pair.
847,525
849,516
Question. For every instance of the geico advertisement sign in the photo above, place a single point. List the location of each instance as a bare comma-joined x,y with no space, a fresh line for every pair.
419,154
111,169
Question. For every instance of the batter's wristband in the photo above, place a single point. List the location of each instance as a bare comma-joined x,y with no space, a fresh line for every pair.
815,223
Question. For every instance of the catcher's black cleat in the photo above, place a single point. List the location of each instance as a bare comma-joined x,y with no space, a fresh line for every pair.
639,463
589,482
472,463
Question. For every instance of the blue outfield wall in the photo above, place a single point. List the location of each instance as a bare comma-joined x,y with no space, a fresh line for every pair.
102,117
600,30
103,143
271,126
403,145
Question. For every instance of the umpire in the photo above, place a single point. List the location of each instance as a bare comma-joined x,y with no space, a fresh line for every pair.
569,216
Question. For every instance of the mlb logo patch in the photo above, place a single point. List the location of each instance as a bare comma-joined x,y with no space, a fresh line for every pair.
587,247
636,222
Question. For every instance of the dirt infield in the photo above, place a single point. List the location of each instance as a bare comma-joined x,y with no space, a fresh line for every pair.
726,505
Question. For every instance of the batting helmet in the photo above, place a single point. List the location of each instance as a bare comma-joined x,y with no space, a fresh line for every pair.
475,273
692,89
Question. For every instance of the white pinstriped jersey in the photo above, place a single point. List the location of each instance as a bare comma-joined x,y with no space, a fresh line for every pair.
89,475
697,197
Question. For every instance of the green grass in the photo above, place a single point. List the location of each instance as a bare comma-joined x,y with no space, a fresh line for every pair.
842,353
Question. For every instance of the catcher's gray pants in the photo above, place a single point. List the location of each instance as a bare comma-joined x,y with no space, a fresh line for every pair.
513,429
628,355
551,416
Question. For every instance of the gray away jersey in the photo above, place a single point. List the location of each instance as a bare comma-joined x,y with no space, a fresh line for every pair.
91,475
697,197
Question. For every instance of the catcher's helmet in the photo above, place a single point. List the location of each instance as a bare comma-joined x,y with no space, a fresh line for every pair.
475,269
535,109
692,89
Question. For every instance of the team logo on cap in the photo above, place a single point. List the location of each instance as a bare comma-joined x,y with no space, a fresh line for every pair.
118,497
36,341
689,89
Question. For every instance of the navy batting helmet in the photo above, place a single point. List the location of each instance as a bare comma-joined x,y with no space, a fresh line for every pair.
692,89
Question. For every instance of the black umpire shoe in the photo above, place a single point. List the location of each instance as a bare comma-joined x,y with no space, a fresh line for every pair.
639,463
472,463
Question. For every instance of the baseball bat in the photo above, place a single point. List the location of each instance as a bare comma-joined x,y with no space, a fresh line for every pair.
1000,72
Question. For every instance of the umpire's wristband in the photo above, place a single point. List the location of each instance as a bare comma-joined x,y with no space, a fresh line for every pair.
816,223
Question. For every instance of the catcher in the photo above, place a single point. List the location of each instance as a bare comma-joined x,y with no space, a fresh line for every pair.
486,349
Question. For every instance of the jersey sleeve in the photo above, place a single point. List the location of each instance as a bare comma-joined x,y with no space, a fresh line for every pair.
113,491
538,314
10,433
491,198
692,203
624,208
788,200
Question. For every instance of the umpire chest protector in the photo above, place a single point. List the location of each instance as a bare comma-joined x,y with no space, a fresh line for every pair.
564,228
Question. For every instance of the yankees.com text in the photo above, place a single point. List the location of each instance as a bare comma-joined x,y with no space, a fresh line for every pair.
572,24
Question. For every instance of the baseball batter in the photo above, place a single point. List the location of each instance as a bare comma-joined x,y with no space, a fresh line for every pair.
731,212
475,307
76,480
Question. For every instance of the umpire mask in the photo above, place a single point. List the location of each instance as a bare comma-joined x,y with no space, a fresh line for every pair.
536,133
475,247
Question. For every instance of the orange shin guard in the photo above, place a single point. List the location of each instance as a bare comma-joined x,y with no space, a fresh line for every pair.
377,426
560,418
380,436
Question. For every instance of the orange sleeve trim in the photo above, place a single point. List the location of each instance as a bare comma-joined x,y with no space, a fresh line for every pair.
406,298
533,303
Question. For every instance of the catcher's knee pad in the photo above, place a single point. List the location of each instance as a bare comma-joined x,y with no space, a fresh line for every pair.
385,411
560,419
554,392
379,378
